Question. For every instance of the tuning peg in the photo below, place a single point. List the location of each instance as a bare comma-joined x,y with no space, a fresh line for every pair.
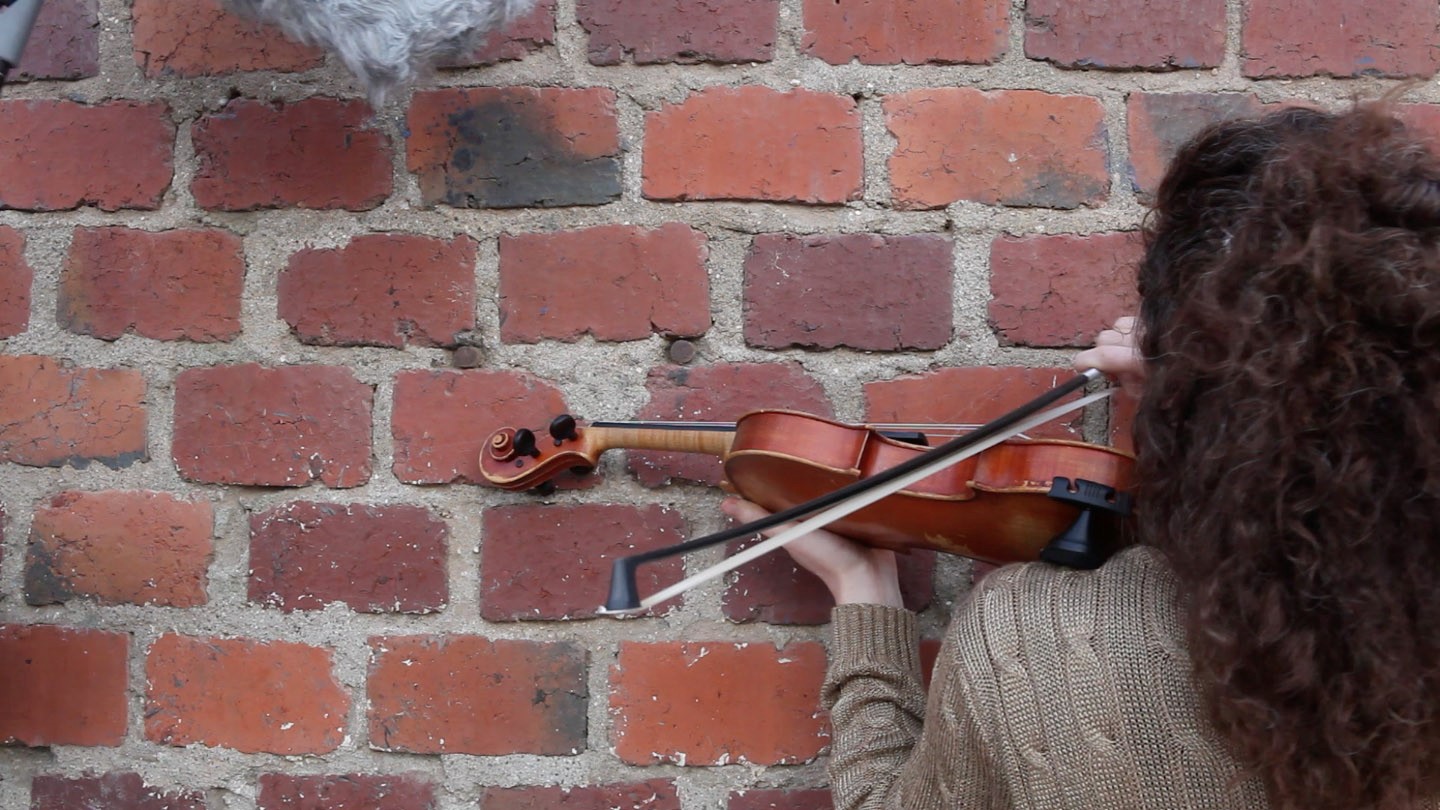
562,428
524,442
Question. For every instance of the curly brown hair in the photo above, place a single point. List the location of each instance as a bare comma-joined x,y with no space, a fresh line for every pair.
1289,444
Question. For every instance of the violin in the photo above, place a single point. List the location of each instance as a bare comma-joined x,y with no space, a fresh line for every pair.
1006,504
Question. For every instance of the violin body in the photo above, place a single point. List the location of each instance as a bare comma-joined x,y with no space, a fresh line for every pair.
995,506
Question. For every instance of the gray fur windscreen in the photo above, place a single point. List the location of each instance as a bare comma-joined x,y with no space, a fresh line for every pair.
387,43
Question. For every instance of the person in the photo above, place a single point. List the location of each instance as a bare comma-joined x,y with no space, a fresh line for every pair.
1272,639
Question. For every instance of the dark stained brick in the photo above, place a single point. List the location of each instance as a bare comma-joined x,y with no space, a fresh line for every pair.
515,147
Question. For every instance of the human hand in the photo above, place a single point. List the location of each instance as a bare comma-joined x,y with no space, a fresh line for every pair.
1116,354
853,572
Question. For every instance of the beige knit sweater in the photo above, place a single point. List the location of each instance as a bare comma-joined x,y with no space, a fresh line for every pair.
1053,689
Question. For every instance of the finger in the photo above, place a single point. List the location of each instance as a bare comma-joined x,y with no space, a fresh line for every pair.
1111,337
742,510
1125,324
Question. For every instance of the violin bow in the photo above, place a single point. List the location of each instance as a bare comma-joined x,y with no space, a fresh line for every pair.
624,594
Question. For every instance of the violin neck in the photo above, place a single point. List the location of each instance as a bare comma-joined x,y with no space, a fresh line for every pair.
710,440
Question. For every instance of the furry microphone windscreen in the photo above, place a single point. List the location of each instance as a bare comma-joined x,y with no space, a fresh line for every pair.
387,43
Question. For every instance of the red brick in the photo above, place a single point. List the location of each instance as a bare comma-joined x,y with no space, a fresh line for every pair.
754,143
388,289
773,589
64,44
127,149
1061,290
442,419
696,703
614,282
352,791
375,559
473,695
818,799
515,147
1122,421
62,685
170,285
876,32
275,697
655,794
824,291
110,791
118,547
1339,38
1008,147
1124,34
272,427
1159,124
968,396
16,278
1421,119
201,38
315,153
685,31
720,393
52,415
521,37
546,562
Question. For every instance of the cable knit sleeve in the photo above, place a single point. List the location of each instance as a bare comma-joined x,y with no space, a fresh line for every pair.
884,752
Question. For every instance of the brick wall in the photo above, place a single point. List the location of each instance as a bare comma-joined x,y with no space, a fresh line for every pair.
256,334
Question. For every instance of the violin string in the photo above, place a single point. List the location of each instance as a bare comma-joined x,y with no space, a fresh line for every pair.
933,427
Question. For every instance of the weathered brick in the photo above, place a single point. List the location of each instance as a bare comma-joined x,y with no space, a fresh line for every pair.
170,285
615,282
385,289
1122,421
1126,34
547,562
754,143
120,547
16,278
52,415
375,559
654,794
516,40
1061,290
64,44
685,31
1008,147
442,419
110,791
272,427
876,32
63,685
863,291
681,702
967,396
1339,38
775,590
773,799
201,38
351,791
128,148
473,695
515,147
721,393
314,153
274,697
1160,123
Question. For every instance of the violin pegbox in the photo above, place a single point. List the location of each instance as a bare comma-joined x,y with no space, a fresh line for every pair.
517,458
